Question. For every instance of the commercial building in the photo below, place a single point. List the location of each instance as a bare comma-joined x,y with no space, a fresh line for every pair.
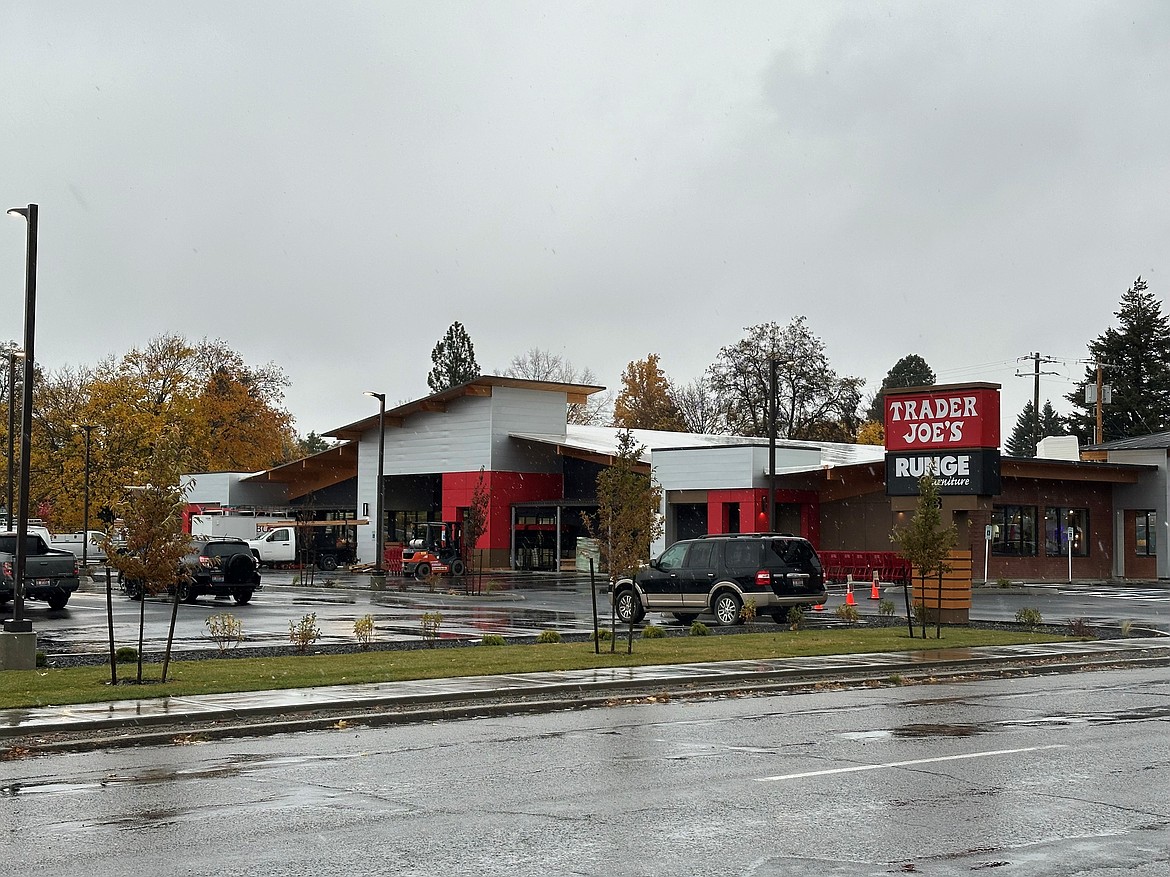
1031,519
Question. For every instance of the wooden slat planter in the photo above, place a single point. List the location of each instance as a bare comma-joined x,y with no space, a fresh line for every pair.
956,591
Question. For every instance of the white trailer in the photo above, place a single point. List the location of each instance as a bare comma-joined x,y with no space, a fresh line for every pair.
240,526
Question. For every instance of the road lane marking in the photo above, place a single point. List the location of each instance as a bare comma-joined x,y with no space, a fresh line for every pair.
860,767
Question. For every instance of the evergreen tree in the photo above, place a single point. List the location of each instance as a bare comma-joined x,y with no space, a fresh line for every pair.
645,401
909,371
1022,442
454,360
1136,361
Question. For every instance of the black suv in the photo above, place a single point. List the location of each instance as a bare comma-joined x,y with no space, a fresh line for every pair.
224,567
718,574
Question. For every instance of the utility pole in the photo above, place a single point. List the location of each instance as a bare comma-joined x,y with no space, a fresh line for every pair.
1037,359
1100,392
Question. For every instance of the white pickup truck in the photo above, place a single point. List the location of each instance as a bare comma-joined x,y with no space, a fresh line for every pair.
74,541
281,545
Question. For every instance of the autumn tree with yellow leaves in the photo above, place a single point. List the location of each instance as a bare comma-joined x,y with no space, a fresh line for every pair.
230,415
645,401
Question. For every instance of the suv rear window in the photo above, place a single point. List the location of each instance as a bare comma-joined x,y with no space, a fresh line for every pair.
222,549
741,554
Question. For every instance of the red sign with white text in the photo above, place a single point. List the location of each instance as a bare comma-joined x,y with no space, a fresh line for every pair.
954,416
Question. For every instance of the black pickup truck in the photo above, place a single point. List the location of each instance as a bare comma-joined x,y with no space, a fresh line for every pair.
49,574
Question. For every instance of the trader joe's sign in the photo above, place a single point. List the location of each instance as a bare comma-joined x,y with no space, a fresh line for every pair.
942,417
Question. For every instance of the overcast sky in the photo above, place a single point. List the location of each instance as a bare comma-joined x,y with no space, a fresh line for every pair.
330,185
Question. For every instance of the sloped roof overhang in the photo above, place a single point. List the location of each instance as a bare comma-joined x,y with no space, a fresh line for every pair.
315,472
482,386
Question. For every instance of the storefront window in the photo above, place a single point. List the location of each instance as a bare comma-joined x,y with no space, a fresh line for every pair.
1147,534
1063,525
1013,530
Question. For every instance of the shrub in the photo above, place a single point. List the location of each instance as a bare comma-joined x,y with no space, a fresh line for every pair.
225,630
42,659
430,624
885,608
1126,628
1002,582
747,612
363,629
1029,617
1080,627
548,636
126,655
700,629
848,613
492,639
304,633
920,616
604,635
653,631
795,618
896,679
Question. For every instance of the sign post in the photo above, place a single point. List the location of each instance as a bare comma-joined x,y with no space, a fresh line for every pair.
986,549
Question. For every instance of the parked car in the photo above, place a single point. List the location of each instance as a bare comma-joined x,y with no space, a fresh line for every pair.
719,573
49,574
223,567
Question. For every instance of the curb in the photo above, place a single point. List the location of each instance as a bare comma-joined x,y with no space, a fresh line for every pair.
411,709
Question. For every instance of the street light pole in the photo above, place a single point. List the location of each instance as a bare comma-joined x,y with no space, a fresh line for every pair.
88,428
772,444
18,624
381,397
12,354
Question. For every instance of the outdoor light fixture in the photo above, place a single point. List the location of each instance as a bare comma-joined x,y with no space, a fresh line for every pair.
380,550
18,624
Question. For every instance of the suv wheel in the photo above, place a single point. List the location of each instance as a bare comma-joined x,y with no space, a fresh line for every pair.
727,607
629,607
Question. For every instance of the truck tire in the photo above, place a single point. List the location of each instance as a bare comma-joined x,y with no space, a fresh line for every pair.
134,590
242,597
327,562
457,568
57,601
186,592
422,570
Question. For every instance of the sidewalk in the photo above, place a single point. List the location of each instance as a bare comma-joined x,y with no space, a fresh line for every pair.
140,714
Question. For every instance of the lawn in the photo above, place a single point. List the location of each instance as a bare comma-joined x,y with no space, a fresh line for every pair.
56,686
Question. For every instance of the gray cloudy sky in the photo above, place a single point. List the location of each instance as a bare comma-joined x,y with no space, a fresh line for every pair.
329,185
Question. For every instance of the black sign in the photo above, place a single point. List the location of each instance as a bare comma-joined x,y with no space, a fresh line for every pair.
968,472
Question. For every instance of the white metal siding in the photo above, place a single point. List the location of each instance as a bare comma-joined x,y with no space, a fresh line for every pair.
525,411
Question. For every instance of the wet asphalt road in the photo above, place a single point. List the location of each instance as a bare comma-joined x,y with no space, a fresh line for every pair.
1046,775
518,606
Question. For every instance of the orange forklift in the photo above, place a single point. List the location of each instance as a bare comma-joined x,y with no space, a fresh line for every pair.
435,549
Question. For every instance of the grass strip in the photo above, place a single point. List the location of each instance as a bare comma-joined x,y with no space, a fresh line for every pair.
91,684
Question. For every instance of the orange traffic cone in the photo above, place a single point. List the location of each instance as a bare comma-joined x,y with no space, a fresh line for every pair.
875,593
849,601
818,607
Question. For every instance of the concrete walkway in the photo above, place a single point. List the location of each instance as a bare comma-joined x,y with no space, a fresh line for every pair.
422,693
